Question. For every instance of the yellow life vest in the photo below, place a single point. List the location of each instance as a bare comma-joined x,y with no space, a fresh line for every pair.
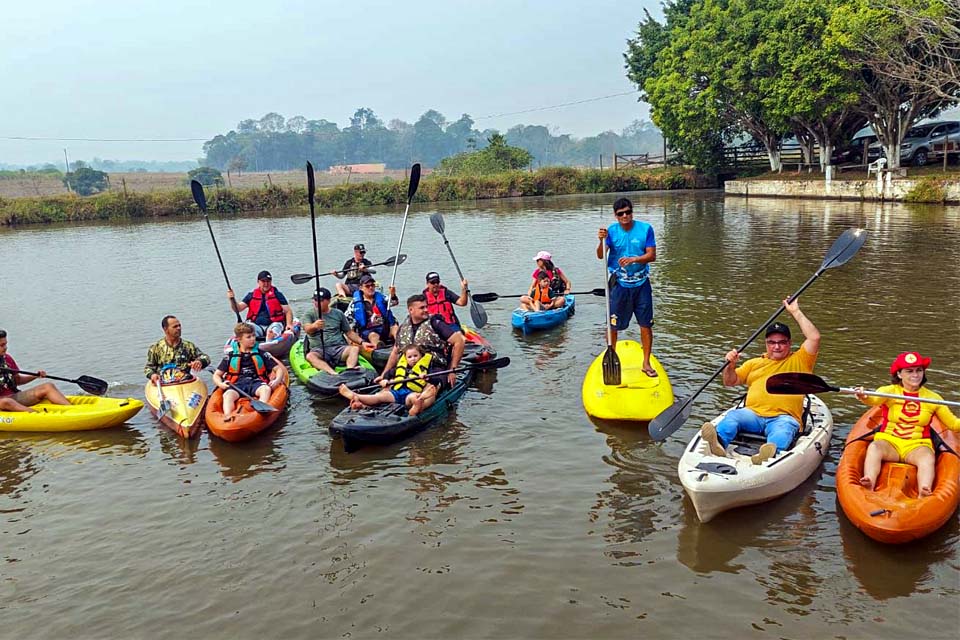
420,369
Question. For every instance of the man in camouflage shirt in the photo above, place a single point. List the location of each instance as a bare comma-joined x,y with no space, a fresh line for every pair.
171,349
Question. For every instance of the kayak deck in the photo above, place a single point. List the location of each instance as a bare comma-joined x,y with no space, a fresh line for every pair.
638,397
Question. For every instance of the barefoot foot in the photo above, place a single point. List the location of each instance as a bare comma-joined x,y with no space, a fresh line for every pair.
416,407
867,483
925,491
345,392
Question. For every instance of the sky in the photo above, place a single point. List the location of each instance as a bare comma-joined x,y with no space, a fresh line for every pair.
174,69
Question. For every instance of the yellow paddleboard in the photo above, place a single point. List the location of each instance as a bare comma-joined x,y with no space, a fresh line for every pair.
638,397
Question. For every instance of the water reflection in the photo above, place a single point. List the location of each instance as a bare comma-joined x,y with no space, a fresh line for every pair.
124,440
241,460
182,450
17,465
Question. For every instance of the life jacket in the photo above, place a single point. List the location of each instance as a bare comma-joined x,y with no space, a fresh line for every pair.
8,379
236,361
273,305
557,286
543,295
360,309
438,305
420,369
424,337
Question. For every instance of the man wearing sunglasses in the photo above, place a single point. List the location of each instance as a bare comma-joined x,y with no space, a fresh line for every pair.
775,416
632,249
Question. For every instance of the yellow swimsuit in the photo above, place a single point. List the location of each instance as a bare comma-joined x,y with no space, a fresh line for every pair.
906,423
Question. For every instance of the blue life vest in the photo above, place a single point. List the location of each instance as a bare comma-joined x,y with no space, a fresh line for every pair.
360,311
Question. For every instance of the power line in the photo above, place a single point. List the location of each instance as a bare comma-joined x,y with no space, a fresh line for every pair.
557,106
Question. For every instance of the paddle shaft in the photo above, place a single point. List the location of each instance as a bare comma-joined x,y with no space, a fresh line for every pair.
606,292
48,376
311,190
880,394
411,190
201,201
505,362
491,297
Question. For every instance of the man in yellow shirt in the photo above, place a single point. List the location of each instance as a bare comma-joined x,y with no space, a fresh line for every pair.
775,416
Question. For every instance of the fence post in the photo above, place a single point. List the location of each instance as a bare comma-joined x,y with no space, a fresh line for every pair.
601,162
946,145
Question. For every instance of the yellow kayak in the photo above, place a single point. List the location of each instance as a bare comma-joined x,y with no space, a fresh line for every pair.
82,414
638,397
187,399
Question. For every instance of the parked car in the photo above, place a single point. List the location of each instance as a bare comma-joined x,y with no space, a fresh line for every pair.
852,152
917,146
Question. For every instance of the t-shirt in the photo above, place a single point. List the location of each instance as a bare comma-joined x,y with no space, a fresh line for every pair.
335,324
627,244
755,371
263,317
7,379
908,419
352,269
247,369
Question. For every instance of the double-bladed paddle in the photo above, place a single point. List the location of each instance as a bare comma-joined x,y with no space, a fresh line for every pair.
303,278
311,192
496,363
91,385
411,191
842,250
807,383
477,313
201,199
610,365
258,405
490,297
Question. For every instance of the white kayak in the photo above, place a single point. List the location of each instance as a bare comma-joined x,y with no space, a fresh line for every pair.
716,483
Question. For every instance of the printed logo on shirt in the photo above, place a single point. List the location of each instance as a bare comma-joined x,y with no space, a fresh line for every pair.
613,319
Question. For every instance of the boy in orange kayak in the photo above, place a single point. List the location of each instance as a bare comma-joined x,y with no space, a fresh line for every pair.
255,373
904,434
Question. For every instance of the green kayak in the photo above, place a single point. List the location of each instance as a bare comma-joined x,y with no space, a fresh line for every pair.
323,384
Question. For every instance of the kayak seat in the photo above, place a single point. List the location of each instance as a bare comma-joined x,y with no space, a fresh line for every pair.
748,444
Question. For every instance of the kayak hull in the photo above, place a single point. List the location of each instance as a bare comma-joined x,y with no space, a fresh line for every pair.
477,348
638,398
900,514
389,423
84,413
279,347
716,484
324,385
246,422
187,399
530,321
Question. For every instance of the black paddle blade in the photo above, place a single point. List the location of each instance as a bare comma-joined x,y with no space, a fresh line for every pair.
797,384
393,260
414,182
198,196
311,182
485,297
594,292
261,407
478,314
611,367
93,386
496,363
670,419
437,221
844,248
302,278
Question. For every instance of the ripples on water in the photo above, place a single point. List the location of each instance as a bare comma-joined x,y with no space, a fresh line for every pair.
518,517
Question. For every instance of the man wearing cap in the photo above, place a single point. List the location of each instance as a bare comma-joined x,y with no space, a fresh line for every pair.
443,341
440,300
352,270
267,309
775,416
372,315
632,247
331,341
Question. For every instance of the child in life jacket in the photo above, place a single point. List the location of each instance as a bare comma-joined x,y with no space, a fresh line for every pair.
416,394
247,369
539,297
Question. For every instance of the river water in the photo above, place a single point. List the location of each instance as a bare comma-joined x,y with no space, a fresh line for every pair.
517,517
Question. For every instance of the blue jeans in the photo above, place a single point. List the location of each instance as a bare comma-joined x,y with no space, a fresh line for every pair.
780,430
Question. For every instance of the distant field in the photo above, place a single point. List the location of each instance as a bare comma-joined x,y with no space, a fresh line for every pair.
148,182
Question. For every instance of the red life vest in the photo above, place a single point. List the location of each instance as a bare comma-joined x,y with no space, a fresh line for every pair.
236,361
273,305
439,305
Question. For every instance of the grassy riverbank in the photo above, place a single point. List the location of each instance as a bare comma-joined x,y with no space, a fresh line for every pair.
546,182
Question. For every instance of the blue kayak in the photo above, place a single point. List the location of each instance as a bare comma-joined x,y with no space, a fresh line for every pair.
528,321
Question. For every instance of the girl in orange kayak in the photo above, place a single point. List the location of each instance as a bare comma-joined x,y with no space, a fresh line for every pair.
904,434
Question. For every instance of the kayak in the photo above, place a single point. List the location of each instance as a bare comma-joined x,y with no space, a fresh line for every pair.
528,321
716,484
478,348
894,513
327,386
278,347
187,400
84,413
638,397
246,422
390,422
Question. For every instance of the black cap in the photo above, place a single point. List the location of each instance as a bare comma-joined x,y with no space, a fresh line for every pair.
324,294
359,247
777,327
365,278
264,275
433,277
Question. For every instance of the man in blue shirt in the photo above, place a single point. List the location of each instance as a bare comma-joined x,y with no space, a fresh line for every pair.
632,249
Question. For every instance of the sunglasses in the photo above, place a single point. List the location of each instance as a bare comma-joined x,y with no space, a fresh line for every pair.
620,214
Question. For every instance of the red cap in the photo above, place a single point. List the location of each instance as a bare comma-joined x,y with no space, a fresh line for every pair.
909,359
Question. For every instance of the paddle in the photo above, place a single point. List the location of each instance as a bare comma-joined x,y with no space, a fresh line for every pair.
94,386
165,404
807,383
258,405
496,363
490,297
842,250
411,190
303,278
611,361
311,192
477,314
201,200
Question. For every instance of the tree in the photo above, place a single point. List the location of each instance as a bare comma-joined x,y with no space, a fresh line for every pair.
86,181
497,157
237,164
207,176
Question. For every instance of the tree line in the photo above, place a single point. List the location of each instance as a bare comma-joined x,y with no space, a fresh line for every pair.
277,143
716,72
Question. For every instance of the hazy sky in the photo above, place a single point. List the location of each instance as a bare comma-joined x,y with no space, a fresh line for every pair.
178,69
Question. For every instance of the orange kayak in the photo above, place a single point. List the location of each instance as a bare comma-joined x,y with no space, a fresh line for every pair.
244,423
893,513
